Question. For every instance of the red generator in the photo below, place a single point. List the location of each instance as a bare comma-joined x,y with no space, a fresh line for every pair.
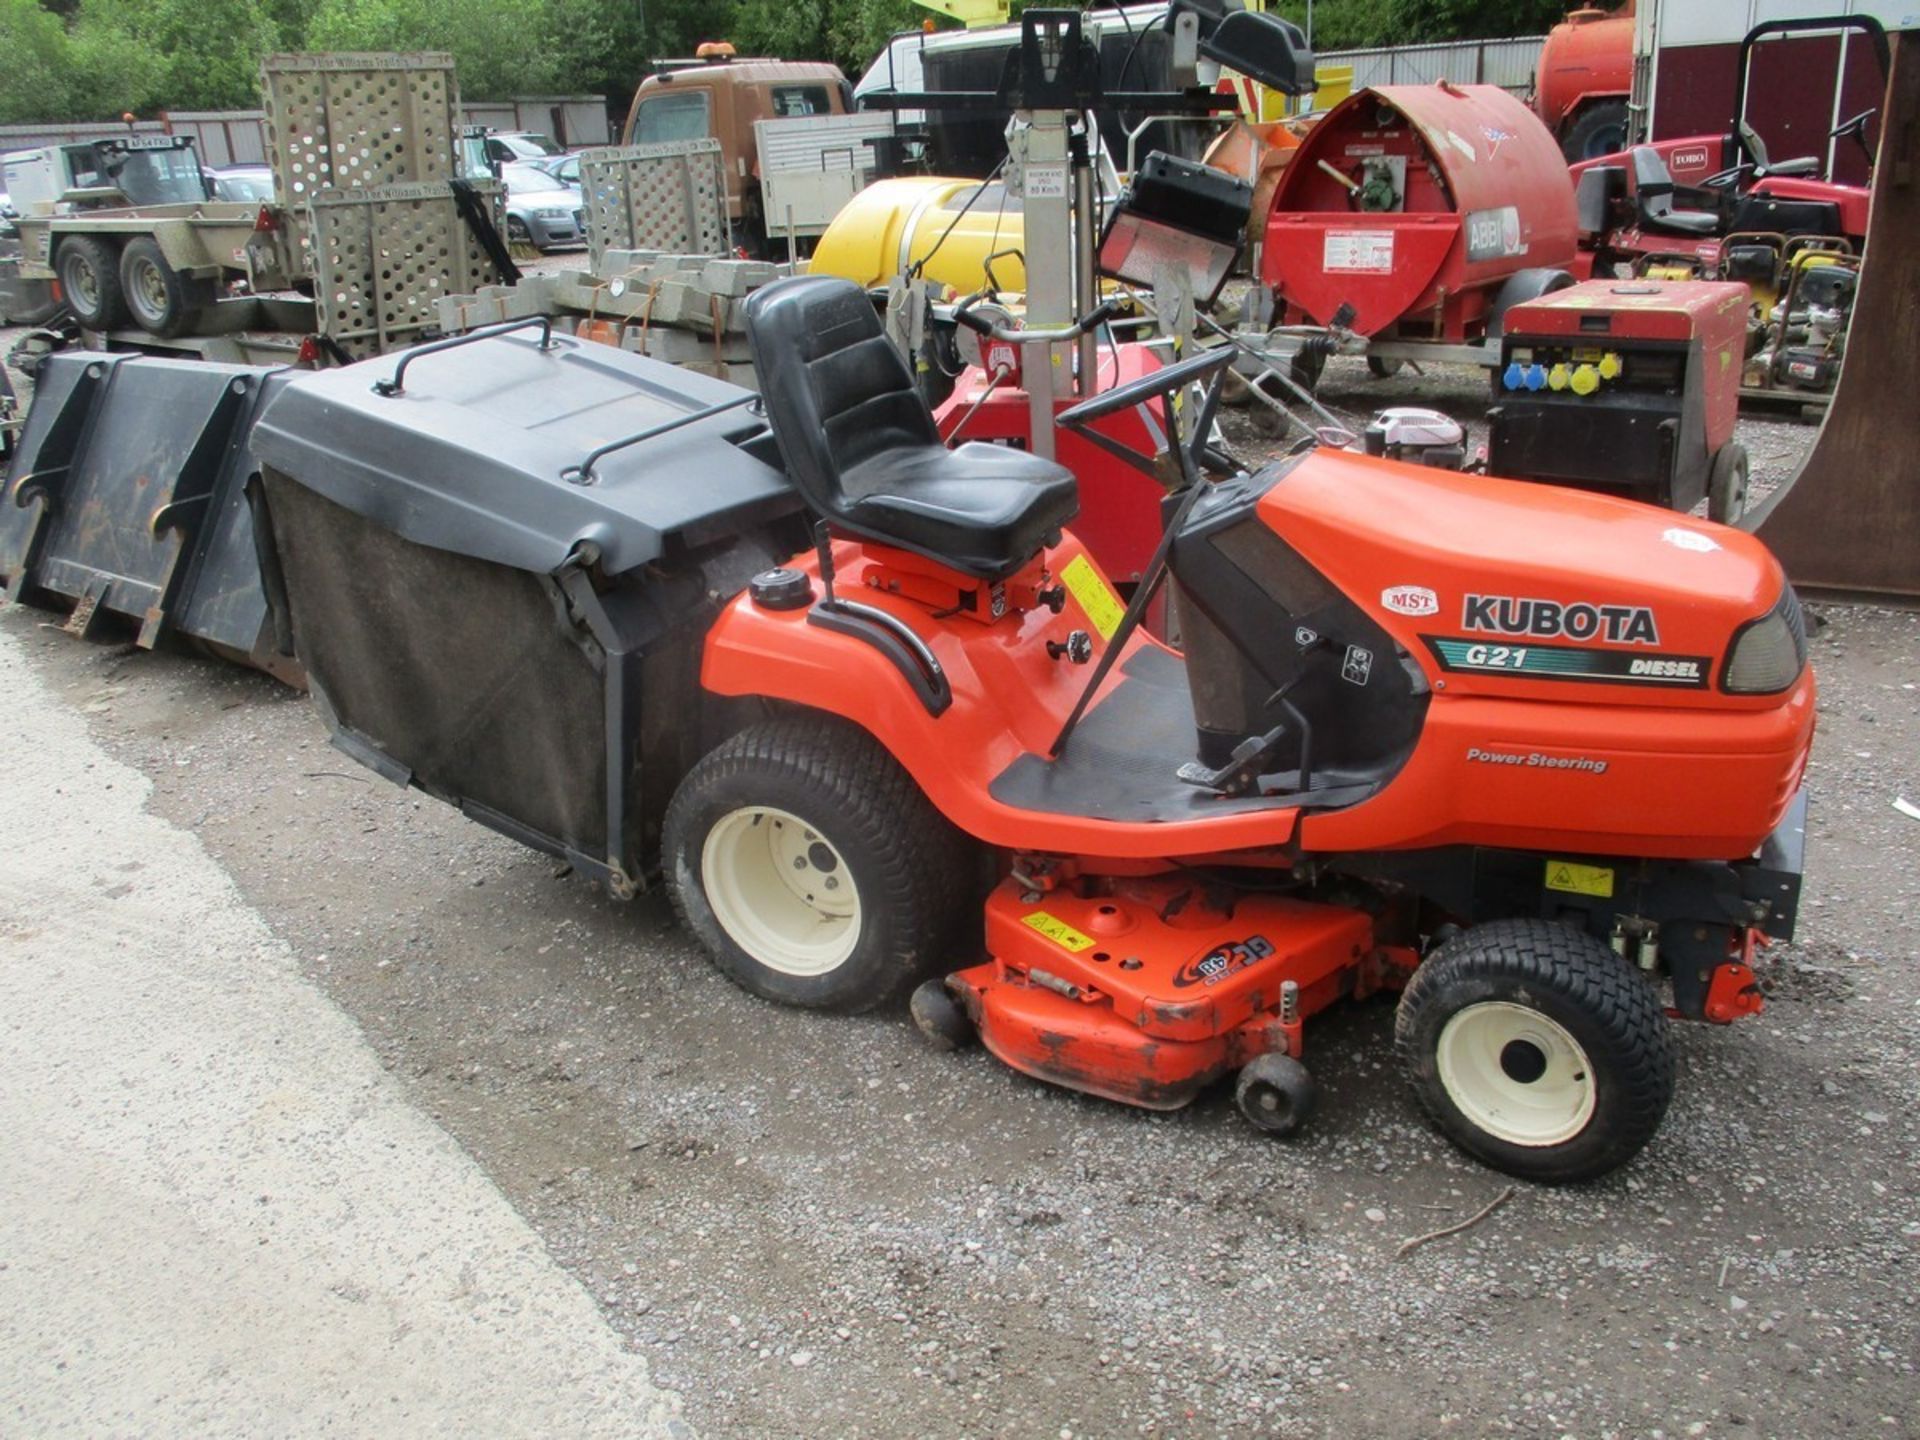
1426,210
1629,387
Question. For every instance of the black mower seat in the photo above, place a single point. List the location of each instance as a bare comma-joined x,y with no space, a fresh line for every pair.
860,444
1653,191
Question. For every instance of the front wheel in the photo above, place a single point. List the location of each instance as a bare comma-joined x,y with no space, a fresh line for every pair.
1537,1049
1727,484
811,867
89,271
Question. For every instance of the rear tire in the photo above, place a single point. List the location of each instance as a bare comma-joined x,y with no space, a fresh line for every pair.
1727,484
162,301
1600,130
89,271
812,868
1536,1049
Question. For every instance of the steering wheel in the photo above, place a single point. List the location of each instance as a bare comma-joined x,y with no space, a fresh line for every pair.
1856,127
1164,381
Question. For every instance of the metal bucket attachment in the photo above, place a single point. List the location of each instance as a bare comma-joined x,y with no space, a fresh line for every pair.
128,496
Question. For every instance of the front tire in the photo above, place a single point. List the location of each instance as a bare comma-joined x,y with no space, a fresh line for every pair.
811,867
1536,1049
89,271
1728,484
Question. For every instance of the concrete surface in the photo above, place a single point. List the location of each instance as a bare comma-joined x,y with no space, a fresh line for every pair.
218,1214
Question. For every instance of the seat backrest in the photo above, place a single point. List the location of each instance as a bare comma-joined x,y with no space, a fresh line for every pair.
837,392
1594,197
1652,181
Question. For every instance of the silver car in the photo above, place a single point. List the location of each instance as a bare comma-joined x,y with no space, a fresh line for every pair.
542,210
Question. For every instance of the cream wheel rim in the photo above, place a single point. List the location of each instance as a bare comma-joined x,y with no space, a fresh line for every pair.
1516,1074
781,891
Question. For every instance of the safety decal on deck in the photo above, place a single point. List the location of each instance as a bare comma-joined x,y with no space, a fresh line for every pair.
1058,931
1103,607
1580,879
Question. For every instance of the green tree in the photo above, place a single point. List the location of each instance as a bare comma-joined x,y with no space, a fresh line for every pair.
35,64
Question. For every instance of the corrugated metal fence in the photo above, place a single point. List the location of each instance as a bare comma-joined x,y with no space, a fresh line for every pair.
238,137
1508,63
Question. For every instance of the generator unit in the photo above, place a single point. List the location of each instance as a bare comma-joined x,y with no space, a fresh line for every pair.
1629,387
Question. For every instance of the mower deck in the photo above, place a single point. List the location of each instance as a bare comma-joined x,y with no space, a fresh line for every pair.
1150,992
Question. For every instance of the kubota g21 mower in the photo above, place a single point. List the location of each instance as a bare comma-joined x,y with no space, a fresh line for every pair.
1530,756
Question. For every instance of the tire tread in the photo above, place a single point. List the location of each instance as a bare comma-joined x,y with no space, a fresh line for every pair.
1594,981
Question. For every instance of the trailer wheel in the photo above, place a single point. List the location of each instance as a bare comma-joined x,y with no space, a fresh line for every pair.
1600,130
1382,368
1518,288
89,271
1727,484
812,868
1537,1049
162,301
1276,1093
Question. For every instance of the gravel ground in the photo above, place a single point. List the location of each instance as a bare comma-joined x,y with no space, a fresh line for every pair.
817,1226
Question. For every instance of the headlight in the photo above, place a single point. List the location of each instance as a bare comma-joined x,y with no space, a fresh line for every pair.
1768,654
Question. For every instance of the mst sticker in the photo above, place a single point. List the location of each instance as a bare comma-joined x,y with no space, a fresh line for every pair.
1410,600
1565,662
1224,960
1358,252
1683,539
1058,931
1555,619
1103,607
1572,879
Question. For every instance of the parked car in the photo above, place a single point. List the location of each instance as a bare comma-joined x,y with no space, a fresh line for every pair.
508,146
250,183
542,210
564,168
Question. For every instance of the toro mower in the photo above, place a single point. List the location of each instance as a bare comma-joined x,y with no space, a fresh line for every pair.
1719,207
1529,756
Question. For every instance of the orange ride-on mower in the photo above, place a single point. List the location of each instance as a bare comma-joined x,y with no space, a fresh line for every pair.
1516,752
1529,756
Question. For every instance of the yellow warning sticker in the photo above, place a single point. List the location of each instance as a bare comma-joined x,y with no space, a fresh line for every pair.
1058,931
1103,607
1579,879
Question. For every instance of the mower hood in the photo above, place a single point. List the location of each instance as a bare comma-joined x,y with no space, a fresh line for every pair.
1515,588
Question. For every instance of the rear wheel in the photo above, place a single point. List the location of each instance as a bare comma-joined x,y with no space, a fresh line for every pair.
1537,1049
162,301
89,271
812,868
1727,484
1600,130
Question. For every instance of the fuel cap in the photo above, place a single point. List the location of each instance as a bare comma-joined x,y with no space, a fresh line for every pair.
781,589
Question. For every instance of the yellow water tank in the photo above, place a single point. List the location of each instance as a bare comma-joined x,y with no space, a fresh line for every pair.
891,225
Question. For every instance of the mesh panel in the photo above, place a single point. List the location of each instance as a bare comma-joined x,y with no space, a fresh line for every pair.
670,198
357,121
383,258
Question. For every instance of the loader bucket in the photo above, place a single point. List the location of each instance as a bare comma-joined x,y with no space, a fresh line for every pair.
1849,521
128,496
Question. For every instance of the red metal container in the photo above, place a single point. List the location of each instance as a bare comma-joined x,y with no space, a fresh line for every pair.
1415,203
